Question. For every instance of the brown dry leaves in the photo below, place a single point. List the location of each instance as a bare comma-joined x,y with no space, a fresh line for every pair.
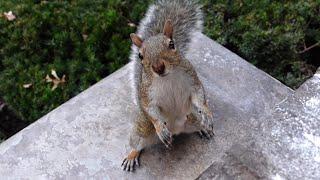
26,86
55,80
9,16
131,24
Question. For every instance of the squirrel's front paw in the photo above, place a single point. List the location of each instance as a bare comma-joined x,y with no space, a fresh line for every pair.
206,119
131,160
164,134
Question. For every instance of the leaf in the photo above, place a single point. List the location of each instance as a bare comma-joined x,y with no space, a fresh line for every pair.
26,86
48,78
131,24
55,80
10,16
85,37
54,74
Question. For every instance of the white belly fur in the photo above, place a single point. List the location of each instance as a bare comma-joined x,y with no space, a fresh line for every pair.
172,94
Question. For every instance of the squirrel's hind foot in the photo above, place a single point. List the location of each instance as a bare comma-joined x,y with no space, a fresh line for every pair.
132,160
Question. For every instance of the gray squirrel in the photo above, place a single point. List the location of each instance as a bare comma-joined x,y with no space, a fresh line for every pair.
167,91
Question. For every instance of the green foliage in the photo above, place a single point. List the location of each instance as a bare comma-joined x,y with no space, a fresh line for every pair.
52,35
87,40
269,34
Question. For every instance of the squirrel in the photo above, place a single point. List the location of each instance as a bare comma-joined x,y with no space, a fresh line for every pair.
167,91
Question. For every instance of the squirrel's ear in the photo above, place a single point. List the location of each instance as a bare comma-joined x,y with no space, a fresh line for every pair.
168,29
136,40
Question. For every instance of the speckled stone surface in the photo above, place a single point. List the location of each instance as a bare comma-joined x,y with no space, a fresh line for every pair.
87,137
284,144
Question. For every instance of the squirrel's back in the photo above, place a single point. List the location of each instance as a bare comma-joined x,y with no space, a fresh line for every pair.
186,17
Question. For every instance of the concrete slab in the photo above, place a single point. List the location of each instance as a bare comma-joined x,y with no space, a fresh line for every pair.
87,137
284,144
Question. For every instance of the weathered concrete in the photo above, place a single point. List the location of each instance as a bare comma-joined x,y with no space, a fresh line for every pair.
285,142
88,135
291,134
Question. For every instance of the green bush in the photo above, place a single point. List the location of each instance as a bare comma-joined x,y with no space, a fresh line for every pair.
52,35
87,40
269,34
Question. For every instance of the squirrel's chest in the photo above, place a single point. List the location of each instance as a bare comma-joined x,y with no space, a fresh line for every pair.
172,93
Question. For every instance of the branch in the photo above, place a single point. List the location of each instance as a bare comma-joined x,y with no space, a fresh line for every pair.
308,48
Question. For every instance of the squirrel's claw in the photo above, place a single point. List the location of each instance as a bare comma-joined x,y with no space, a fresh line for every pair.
128,164
204,115
165,136
207,121
204,133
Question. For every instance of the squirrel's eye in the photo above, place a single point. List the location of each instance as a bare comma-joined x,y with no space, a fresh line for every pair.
171,44
140,56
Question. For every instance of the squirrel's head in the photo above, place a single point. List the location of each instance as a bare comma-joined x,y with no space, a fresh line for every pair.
158,53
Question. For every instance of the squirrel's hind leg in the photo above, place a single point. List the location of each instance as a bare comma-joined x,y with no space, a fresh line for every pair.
143,135
137,144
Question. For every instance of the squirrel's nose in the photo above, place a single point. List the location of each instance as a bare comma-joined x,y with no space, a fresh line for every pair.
158,68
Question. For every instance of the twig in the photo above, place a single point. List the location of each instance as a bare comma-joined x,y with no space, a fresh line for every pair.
2,105
308,48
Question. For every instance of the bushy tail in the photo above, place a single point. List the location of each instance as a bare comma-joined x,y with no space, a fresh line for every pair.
186,16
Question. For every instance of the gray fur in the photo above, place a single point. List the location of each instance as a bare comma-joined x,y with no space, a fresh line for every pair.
154,46
137,67
172,94
186,18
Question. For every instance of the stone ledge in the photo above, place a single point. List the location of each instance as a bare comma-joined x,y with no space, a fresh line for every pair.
88,135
